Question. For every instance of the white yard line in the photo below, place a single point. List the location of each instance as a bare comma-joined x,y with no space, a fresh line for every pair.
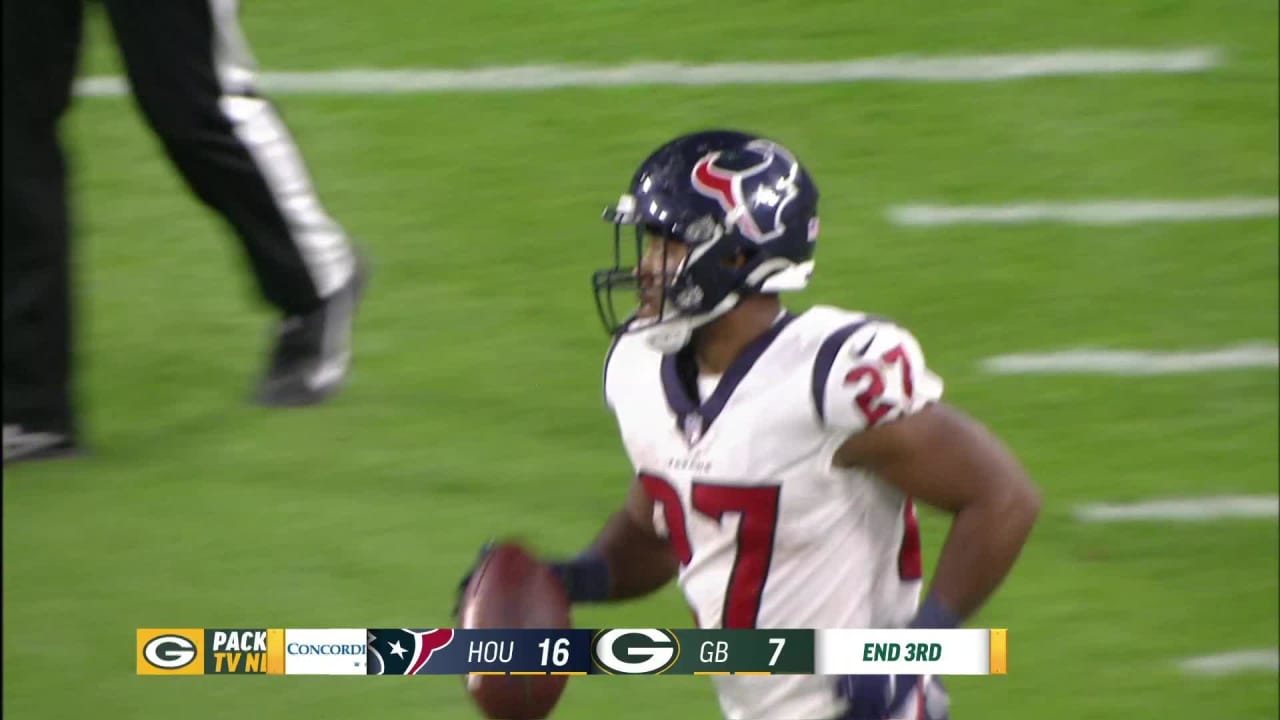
1107,212
1087,361
1231,663
1190,509
904,68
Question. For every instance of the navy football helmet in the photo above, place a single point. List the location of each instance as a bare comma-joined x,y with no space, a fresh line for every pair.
746,209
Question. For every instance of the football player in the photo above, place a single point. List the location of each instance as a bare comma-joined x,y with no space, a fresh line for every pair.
776,455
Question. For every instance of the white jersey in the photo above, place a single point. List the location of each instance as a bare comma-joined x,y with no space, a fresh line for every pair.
768,532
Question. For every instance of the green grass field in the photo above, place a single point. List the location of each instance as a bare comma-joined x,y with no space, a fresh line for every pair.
475,405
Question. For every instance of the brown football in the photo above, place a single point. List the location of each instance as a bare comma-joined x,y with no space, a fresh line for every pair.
511,589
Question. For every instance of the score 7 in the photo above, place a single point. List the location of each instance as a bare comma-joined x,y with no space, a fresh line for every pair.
778,644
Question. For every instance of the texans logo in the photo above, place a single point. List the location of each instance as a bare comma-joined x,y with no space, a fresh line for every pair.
404,652
752,197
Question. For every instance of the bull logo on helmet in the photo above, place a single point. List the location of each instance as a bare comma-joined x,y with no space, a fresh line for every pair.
752,197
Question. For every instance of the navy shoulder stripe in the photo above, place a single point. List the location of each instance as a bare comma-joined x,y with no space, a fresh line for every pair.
826,358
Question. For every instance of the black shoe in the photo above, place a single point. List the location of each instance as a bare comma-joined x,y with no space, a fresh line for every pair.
22,444
313,351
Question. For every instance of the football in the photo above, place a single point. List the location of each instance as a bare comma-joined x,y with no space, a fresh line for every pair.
512,589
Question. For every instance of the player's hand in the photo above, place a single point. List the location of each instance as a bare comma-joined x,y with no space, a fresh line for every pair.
893,697
585,577
466,580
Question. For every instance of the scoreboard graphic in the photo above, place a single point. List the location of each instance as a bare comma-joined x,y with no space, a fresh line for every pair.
611,651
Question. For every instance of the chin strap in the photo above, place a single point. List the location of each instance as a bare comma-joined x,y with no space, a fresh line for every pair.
673,334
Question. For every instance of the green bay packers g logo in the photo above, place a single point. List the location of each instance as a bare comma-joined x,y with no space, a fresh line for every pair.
635,651
169,652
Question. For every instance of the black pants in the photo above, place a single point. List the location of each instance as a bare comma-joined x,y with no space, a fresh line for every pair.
190,71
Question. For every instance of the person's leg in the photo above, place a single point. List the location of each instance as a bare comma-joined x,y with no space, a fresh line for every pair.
193,78
41,43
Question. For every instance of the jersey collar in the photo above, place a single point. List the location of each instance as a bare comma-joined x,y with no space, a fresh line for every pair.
693,418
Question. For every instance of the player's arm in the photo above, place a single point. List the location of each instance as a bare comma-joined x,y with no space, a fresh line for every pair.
628,558
873,387
948,460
